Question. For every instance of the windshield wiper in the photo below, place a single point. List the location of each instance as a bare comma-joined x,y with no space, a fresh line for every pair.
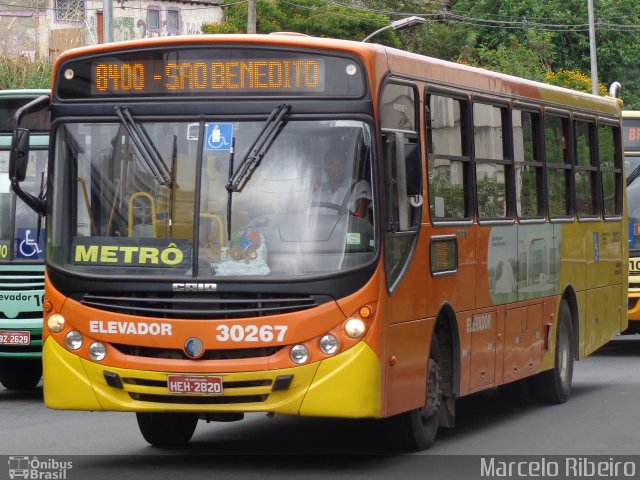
145,146
258,149
255,154
633,175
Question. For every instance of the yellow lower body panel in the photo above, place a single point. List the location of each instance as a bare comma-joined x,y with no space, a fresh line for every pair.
347,385
634,306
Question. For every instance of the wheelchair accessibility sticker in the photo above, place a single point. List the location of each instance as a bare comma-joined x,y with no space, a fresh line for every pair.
29,246
219,137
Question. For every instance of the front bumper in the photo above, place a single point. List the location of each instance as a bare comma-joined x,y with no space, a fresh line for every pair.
347,385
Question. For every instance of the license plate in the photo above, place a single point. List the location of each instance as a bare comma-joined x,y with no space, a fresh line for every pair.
194,385
9,337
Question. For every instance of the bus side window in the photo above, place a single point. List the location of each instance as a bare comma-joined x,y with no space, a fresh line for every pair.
448,158
403,175
558,166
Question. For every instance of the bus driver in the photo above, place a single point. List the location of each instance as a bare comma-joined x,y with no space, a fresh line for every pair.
335,188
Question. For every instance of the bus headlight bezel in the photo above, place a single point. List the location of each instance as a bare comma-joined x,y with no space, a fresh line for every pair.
329,344
97,351
56,322
355,327
299,354
73,340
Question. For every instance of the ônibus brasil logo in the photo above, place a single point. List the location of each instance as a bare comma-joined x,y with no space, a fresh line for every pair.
38,469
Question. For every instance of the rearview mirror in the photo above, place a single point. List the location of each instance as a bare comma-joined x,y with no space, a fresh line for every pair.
19,156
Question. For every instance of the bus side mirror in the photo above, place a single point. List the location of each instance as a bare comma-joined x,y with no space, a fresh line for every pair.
19,155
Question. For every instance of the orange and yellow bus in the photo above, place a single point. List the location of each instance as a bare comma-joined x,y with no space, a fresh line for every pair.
631,144
195,268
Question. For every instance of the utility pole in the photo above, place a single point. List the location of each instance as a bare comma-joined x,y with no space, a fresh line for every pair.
592,49
251,16
107,6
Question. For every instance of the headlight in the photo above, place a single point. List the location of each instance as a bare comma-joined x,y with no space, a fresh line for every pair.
97,351
299,354
55,323
354,327
73,340
329,344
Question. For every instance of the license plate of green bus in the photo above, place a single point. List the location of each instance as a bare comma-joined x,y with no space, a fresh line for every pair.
194,385
10,337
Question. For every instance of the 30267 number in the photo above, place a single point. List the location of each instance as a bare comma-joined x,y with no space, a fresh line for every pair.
250,333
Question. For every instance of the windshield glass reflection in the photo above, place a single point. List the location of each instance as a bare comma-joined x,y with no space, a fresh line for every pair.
306,208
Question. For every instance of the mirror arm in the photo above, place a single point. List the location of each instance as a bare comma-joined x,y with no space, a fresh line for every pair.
32,201
32,106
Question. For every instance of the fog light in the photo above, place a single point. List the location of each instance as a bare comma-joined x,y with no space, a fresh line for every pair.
55,323
97,351
299,354
73,340
329,344
354,327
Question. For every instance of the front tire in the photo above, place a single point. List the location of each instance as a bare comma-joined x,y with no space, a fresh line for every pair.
416,430
167,429
16,374
554,386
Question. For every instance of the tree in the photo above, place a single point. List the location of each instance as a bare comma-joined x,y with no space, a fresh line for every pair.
313,17
564,25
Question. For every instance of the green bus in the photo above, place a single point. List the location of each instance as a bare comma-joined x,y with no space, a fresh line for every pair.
22,249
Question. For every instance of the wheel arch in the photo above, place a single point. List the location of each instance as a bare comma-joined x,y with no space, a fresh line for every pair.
569,296
446,333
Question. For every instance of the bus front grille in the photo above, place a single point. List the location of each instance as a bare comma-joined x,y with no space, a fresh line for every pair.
198,400
254,390
19,281
178,354
210,306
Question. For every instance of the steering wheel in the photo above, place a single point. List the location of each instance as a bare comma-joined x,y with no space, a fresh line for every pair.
340,209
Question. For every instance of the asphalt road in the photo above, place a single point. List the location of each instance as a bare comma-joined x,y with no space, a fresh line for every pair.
600,419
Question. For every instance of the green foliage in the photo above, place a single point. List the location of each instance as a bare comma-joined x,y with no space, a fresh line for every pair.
566,40
317,18
20,73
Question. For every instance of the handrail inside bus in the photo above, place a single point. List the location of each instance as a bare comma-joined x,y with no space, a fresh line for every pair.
85,195
152,204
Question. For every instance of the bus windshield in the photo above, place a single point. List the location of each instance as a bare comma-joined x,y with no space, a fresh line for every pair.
162,207
633,198
25,229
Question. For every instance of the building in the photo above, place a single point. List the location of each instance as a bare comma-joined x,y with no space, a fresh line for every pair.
42,29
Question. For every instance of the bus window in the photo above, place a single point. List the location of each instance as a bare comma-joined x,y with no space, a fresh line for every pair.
528,165
490,158
404,176
448,160
558,166
611,168
585,169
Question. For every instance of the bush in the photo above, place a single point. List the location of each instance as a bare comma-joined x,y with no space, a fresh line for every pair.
19,72
574,80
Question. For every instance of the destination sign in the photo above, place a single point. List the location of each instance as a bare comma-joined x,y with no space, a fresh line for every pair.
192,71
303,75
631,134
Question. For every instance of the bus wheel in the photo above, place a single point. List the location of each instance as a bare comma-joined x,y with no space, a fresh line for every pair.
20,374
554,386
416,430
167,429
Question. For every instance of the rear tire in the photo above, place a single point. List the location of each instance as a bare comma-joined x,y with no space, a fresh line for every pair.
554,386
167,429
18,374
416,430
